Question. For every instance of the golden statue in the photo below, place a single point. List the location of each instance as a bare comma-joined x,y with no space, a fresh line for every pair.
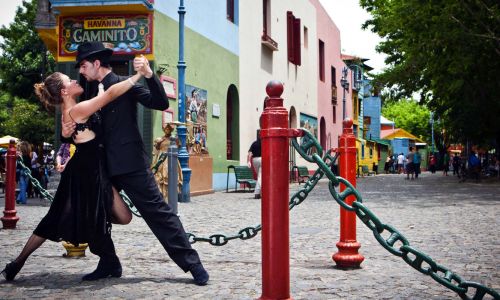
160,145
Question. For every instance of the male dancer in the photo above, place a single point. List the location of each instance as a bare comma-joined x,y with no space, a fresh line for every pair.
128,166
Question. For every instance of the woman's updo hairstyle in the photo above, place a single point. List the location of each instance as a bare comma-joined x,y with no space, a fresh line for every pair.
49,91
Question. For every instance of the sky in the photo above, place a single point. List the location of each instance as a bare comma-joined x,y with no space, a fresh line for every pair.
346,14
349,16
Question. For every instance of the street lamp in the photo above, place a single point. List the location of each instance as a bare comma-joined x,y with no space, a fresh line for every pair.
182,129
345,86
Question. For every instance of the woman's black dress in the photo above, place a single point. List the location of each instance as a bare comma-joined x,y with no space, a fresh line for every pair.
81,208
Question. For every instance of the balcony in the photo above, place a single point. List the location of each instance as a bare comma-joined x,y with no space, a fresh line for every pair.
269,42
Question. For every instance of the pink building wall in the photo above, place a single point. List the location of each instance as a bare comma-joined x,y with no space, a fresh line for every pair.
328,32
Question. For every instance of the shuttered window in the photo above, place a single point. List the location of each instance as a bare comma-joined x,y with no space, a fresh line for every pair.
293,39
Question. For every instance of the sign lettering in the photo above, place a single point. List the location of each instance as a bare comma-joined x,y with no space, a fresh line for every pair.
125,34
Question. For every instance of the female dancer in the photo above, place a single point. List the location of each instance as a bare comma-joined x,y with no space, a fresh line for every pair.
85,202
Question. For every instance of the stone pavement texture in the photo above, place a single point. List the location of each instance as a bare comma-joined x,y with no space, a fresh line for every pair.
456,224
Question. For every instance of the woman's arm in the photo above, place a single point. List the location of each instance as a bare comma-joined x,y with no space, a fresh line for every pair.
83,110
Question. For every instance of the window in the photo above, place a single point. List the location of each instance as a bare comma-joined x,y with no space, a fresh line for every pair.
230,10
355,107
293,38
334,76
334,107
321,62
266,39
334,86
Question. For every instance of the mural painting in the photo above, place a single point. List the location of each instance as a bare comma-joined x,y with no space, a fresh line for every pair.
196,118
310,123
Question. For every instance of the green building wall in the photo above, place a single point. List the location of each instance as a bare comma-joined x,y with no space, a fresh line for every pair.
209,67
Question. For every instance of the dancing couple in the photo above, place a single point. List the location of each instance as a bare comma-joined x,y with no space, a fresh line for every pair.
109,157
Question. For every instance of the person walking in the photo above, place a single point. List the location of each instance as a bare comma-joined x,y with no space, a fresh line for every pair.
85,203
417,160
409,164
432,163
401,160
456,164
128,167
446,164
254,158
25,155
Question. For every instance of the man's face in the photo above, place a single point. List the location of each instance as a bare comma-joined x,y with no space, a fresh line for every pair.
89,70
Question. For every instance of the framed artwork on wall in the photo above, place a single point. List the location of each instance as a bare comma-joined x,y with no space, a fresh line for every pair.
167,117
170,86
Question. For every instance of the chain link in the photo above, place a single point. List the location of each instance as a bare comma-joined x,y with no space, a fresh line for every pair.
161,159
412,256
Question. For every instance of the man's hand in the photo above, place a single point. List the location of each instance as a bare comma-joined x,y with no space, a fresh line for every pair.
141,65
67,128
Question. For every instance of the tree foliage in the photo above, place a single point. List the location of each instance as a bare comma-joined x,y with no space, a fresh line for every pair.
448,52
26,124
410,116
23,63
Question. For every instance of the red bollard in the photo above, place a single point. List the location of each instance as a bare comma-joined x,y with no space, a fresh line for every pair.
275,196
9,218
348,256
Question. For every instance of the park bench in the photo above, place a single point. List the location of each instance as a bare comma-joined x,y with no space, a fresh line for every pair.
366,171
244,176
302,173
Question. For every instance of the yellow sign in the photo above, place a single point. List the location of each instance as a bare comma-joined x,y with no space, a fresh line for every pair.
107,23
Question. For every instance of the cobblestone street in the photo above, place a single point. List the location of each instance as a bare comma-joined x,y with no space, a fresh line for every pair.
456,224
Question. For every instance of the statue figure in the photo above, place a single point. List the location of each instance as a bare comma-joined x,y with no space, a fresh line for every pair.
160,145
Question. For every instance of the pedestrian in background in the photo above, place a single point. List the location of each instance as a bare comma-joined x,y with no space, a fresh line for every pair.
387,164
25,154
401,161
417,160
409,164
432,163
456,164
254,158
446,164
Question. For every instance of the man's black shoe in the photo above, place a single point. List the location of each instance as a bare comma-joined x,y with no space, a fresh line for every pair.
200,275
104,270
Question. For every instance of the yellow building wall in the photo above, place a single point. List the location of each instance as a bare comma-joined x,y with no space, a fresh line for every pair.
367,159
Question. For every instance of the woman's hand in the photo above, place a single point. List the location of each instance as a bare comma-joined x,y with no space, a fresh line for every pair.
60,168
141,66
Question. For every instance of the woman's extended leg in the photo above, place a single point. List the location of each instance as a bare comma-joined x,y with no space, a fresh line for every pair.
121,214
11,269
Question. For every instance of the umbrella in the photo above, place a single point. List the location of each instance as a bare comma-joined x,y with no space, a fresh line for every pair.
4,141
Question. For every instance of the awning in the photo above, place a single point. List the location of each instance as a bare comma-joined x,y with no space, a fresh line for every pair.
4,141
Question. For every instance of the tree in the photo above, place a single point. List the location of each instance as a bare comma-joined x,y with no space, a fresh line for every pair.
410,116
23,63
26,124
24,59
449,53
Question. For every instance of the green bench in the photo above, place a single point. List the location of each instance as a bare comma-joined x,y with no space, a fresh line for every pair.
302,173
244,176
366,171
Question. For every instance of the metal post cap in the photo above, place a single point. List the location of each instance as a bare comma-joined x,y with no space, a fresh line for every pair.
274,89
